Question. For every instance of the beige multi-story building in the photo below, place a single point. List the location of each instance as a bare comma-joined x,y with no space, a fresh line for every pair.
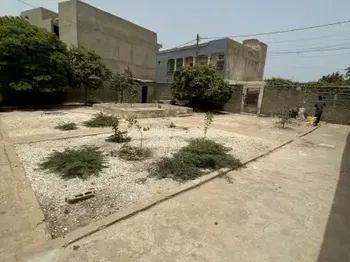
120,43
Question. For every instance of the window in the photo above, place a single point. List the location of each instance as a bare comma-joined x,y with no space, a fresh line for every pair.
179,62
220,65
170,66
189,61
158,62
202,60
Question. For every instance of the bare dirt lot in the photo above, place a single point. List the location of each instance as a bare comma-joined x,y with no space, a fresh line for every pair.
119,186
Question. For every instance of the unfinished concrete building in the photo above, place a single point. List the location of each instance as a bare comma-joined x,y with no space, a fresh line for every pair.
233,61
120,43
241,65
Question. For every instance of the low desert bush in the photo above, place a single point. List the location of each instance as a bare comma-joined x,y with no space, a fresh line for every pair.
118,136
190,161
101,120
174,168
172,125
133,153
67,126
81,162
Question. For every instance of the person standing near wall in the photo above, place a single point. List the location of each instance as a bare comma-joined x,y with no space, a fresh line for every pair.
320,104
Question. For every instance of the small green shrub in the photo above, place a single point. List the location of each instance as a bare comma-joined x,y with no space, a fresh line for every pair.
133,122
208,120
79,162
113,153
101,120
132,153
172,125
207,154
190,160
174,168
118,136
67,126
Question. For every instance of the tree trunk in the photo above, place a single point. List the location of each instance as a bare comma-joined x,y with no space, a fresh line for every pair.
122,96
86,95
36,96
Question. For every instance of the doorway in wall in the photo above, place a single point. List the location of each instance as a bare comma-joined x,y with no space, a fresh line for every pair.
144,94
251,100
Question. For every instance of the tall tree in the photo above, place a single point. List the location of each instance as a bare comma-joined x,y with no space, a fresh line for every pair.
31,58
88,70
201,86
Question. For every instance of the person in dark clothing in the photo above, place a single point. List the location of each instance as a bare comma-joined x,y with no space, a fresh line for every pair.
320,104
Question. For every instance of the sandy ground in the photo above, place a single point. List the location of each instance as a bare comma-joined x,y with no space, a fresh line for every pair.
117,186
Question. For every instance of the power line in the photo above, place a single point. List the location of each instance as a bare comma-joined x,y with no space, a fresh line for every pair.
309,51
301,55
23,2
188,42
343,44
303,39
282,31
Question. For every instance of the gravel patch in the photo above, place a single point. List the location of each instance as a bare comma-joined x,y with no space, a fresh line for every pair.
122,183
26,123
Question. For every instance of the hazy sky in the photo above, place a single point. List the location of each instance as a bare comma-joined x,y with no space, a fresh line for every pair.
177,22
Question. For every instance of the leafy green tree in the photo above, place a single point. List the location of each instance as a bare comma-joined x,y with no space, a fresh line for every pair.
201,86
347,73
31,58
125,85
88,70
334,78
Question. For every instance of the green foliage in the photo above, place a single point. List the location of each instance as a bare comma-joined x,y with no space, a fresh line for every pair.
208,120
133,122
125,86
113,153
87,70
172,125
334,78
190,160
174,168
347,74
31,58
67,126
132,153
102,120
81,162
201,86
118,136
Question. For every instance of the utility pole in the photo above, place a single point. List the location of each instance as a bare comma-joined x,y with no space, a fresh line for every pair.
197,45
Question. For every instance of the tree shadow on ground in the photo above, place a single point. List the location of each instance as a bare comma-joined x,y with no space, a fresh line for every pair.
336,240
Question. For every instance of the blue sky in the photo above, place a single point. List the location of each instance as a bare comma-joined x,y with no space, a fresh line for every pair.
177,22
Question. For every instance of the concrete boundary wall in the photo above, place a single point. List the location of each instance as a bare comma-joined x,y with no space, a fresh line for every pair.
337,98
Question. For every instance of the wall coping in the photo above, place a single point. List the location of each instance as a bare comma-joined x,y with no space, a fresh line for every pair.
247,83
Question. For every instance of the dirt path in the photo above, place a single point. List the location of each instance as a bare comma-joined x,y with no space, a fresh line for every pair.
277,209
21,219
